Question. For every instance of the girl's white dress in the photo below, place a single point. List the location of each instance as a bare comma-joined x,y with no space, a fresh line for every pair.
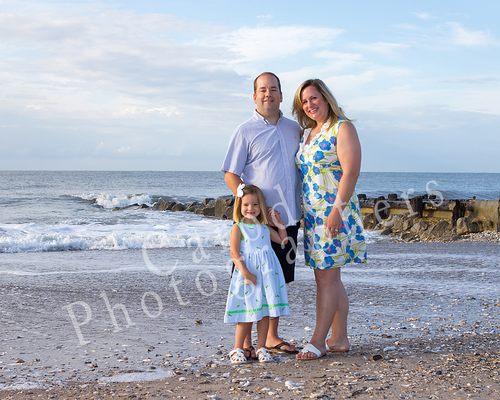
249,303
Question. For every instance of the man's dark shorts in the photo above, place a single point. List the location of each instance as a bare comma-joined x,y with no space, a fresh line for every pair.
287,255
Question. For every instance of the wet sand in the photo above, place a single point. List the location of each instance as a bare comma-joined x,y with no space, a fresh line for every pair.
422,307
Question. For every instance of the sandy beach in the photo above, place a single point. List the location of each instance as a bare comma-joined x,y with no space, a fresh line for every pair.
423,323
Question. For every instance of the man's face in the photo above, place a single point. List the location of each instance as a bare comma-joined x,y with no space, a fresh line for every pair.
267,97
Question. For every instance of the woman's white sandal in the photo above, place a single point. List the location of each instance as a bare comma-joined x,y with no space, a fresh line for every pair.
237,356
264,356
310,348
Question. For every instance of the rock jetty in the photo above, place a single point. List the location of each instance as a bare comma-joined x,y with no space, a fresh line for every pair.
421,218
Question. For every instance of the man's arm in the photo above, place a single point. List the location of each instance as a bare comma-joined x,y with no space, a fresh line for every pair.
232,181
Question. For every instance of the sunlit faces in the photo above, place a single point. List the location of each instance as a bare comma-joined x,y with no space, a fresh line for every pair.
250,206
314,104
267,96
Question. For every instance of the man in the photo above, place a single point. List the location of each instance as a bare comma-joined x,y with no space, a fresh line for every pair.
262,152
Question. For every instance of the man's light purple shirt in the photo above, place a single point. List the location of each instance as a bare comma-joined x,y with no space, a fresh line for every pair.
263,154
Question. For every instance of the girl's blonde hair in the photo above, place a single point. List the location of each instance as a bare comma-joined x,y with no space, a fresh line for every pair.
334,111
251,189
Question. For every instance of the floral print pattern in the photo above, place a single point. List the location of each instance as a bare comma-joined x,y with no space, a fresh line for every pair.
320,171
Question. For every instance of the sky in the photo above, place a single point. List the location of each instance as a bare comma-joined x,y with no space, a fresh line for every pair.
162,85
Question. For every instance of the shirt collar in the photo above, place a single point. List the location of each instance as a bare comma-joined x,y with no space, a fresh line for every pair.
260,117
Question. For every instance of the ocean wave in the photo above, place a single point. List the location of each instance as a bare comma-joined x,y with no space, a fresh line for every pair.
178,232
114,202
17,238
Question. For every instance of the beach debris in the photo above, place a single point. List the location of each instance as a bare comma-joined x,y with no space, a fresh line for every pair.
245,384
198,322
19,361
307,328
291,385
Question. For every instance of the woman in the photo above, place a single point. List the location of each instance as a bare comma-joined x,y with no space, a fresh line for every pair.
329,160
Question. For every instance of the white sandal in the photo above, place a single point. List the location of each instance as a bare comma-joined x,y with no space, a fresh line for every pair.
264,356
237,356
310,348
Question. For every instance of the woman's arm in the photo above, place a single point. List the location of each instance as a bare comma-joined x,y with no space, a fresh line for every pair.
239,263
349,154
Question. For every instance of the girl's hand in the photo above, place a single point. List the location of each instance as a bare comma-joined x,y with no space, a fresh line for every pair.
250,279
334,223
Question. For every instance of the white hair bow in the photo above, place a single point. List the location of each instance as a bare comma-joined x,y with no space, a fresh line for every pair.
239,190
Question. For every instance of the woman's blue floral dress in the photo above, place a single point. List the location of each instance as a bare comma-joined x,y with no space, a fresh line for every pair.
321,171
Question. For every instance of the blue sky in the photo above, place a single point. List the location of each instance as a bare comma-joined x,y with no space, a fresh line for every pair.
161,85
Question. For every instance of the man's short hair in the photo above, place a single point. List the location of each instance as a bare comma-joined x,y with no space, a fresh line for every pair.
266,73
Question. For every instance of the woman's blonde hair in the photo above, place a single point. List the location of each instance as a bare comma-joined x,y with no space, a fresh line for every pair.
251,189
334,111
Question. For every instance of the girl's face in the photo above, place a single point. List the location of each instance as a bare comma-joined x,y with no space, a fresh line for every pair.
250,206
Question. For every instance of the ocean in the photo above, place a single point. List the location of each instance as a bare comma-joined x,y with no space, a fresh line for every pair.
45,211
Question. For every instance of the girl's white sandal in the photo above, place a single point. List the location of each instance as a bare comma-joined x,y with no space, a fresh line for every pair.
264,356
237,356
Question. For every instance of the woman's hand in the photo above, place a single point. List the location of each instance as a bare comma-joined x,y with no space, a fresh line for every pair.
250,278
334,223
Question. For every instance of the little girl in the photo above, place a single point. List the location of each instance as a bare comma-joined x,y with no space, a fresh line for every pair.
257,290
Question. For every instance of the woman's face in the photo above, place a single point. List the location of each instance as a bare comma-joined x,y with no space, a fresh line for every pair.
314,104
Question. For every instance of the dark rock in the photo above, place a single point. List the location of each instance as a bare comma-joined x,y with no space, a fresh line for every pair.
207,201
417,205
191,207
476,226
170,205
208,211
419,227
381,208
377,357
408,236
407,224
369,221
397,223
161,205
361,196
462,227
228,214
220,207
392,196
386,231
441,230
178,207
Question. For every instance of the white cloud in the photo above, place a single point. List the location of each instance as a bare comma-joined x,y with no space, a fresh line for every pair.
423,15
468,37
384,48
253,44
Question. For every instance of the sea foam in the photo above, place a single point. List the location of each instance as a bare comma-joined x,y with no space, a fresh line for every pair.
192,232
113,201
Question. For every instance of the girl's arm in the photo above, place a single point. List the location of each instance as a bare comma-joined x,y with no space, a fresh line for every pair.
239,263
